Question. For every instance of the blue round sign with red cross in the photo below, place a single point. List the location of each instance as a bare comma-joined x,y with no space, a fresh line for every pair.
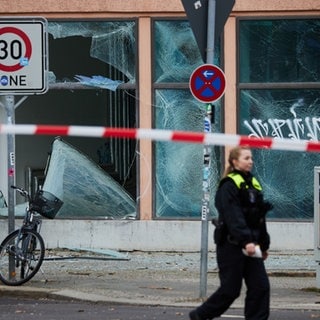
207,83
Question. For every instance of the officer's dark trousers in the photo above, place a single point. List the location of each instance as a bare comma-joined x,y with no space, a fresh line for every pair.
233,267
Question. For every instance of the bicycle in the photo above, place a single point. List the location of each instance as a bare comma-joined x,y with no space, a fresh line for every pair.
22,251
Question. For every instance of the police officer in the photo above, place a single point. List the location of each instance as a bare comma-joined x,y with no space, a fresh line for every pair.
242,242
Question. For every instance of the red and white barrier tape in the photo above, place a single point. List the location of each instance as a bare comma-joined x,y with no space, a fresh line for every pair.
218,139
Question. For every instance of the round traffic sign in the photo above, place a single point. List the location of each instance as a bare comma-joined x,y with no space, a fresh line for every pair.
207,83
16,47
23,55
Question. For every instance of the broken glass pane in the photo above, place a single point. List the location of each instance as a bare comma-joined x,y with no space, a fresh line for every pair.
287,177
176,51
112,42
282,50
85,189
179,166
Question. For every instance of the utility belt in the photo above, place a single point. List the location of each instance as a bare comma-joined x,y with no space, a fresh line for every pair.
220,233
254,219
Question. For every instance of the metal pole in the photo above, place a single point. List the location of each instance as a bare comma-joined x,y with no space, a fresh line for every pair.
9,107
211,31
207,160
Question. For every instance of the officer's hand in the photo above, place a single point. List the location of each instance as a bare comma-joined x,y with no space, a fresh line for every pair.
250,248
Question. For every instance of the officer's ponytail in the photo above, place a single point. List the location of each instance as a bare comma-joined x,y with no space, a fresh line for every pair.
234,154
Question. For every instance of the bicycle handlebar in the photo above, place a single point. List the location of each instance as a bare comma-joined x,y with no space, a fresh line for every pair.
23,192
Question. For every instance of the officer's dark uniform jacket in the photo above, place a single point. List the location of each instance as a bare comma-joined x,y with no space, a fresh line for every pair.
242,211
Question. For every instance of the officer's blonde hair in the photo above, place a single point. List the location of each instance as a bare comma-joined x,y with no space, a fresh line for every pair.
234,154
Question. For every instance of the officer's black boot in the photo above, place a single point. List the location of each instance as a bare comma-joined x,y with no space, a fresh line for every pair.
194,315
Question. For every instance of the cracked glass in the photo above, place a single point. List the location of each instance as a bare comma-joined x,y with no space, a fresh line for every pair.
287,52
99,54
85,188
279,50
112,42
179,175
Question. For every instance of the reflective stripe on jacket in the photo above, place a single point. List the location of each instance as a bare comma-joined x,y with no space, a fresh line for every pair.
238,180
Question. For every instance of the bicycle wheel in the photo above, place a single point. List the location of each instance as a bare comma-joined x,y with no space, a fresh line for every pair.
21,256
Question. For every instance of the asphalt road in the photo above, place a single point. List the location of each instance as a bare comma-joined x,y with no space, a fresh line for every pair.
17,308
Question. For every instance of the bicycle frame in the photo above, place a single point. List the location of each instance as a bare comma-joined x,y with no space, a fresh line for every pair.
23,249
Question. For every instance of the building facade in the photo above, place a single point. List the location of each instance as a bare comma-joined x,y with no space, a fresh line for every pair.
269,52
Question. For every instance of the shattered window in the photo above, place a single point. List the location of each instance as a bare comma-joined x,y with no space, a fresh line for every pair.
280,50
92,82
110,42
286,51
85,189
179,166
287,176
101,56
176,51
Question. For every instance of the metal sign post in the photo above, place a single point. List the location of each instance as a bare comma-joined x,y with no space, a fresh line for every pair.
207,161
207,84
317,223
8,105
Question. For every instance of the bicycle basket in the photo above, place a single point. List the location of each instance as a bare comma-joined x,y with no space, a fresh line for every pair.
46,204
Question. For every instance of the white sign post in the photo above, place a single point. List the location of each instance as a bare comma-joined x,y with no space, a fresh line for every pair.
23,56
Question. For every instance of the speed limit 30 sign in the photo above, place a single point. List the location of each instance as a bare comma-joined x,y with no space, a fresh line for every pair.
23,56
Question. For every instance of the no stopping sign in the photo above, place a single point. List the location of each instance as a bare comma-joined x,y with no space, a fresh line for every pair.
207,83
23,56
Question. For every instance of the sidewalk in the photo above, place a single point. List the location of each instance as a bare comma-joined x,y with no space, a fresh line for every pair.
170,279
